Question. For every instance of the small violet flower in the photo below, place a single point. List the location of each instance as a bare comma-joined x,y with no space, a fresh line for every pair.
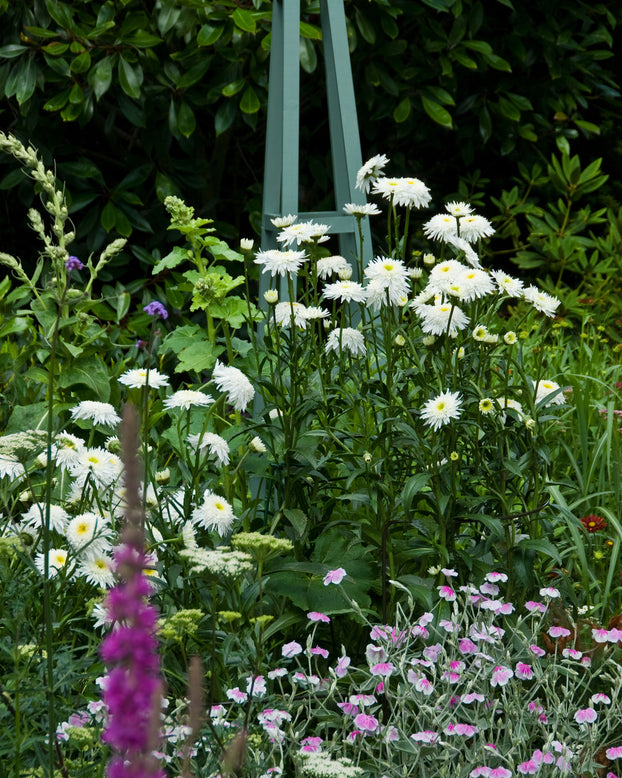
73,263
156,308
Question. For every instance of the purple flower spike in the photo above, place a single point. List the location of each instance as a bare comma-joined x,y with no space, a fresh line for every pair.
156,308
73,263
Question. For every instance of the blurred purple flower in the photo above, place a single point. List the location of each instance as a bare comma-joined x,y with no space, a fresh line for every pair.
73,263
156,308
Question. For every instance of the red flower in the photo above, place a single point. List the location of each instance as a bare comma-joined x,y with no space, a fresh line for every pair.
593,523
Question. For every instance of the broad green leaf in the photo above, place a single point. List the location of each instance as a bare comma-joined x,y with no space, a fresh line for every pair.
12,50
76,95
243,19
310,31
366,28
57,102
250,102
436,112
89,372
402,110
26,82
143,39
308,56
224,117
108,217
100,77
298,519
81,63
209,35
186,121
175,258
130,78
167,18
234,87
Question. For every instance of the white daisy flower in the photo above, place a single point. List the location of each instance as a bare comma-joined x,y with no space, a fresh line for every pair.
257,445
214,513
440,226
216,446
370,171
541,301
57,558
186,399
137,378
9,466
98,413
283,314
283,221
271,296
410,192
462,245
82,531
357,209
458,209
507,403
442,409
438,319
475,283
345,292
280,263
237,386
66,449
303,232
445,275
346,339
101,465
35,517
545,388
474,227
513,287
391,275
97,571
329,266
314,312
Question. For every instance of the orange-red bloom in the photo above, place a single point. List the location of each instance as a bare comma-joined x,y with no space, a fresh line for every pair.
593,523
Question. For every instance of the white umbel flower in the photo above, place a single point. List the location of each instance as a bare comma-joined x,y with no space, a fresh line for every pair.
137,378
442,409
215,445
541,301
280,263
98,413
237,386
544,389
186,399
370,171
346,339
214,513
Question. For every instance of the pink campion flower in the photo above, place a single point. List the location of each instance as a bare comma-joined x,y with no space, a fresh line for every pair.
480,772
257,684
494,577
454,700
433,652
366,722
390,734
585,716
612,775
341,669
586,661
380,688
380,633
467,646
334,576
523,671
600,697
424,686
500,772
528,768
450,573
614,753
426,619
446,593
558,632
490,589
351,737
615,635
549,591
375,654
278,672
571,653
419,632
465,730
348,708
533,605
362,699
311,745
467,699
316,616
291,649
537,650
501,675
237,695
448,625
427,736
600,635
451,677
384,669
319,651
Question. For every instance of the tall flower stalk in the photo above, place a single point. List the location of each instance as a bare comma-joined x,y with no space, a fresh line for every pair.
133,687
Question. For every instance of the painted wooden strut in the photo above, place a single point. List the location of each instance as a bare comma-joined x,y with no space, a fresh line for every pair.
281,167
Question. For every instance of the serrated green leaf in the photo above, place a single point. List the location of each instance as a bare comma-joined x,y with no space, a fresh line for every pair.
175,258
130,78
436,112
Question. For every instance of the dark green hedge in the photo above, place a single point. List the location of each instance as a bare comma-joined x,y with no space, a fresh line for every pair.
136,99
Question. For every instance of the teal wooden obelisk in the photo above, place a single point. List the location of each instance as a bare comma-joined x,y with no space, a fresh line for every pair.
281,169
